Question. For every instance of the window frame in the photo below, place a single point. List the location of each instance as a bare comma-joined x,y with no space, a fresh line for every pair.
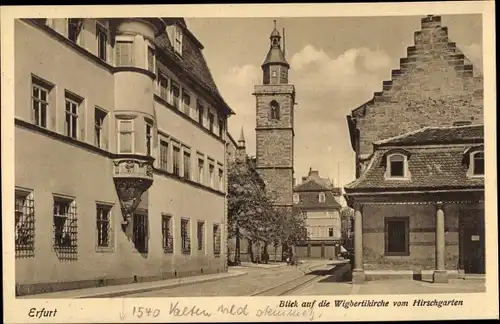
178,39
140,218
167,234
406,172
100,129
296,198
274,108
175,101
211,121
149,138
176,162
217,239
185,236
70,22
118,58
108,207
201,169
150,64
200,236
73,116
200,107
387,221
42,86
101,29
26,223
186,163
163,156
120,131
65,250
165,96
473,164
322,197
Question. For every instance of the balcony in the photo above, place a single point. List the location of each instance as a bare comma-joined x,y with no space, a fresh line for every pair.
133,175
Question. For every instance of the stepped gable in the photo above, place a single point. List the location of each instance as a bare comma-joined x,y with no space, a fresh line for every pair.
435,85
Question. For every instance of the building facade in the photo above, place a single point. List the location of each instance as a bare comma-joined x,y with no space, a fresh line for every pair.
412,219
275,99
119,127
317,200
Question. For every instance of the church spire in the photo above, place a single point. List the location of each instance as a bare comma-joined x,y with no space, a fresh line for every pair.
241,141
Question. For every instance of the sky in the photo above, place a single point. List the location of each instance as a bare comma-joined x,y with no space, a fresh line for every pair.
337,63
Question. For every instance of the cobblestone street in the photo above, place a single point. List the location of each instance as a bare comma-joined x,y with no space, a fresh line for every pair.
256,279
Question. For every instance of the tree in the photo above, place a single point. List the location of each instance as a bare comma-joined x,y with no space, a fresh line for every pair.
248,205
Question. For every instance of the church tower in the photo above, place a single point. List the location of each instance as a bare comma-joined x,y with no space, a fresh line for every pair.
275,99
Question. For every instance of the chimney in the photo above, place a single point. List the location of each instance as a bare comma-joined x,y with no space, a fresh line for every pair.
304,179
314,174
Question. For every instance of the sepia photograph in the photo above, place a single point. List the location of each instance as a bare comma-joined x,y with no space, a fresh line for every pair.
289,156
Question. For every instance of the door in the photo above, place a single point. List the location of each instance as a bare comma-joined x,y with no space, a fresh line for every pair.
473,243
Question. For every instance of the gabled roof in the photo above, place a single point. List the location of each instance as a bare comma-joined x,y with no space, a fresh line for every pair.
437,135
192,63
311,185
437,160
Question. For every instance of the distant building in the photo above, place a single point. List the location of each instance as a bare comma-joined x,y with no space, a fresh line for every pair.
419,192
318,201
120,136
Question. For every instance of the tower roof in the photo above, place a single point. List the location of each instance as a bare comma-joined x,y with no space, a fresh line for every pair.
275,54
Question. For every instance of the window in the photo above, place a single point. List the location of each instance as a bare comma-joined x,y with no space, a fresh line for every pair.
178,39
221,127
296,198
74,29
151,59
163,155
166,229
217,238
322,197
140,232
201,170
283,74
211,120
163,84
397,165
211,175
177,161
275,110
124,53
330,232
24,224
477,163
65,227
200,235
185,242
186,101
103,226
187,165
39,102
102,41
175,91
221,179
99,118
149,136
71,123
273,74
199,106
125,136
396,236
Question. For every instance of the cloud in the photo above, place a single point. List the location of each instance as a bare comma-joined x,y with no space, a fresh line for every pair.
474,52
242,76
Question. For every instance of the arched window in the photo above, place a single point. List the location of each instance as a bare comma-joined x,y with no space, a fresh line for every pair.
322,197
477,159
275,110
396,164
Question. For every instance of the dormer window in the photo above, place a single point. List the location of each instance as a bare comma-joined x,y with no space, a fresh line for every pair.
178,39
296,198
322,197
477,163
397,167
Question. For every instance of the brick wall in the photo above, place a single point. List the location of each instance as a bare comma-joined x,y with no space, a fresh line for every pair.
279,184
274,148
422,236
434,86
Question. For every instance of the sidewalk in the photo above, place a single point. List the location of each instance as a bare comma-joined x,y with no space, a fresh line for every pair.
123,290
261,265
